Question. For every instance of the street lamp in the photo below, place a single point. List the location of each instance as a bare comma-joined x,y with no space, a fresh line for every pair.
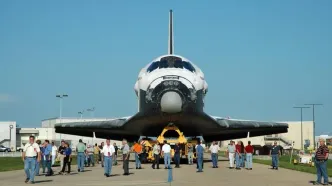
81,113
313,121
301,125
10,135
61,96
91,110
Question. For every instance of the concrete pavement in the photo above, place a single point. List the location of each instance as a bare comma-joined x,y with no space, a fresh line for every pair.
261,175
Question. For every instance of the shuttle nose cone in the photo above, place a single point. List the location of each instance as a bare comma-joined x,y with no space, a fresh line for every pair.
171,102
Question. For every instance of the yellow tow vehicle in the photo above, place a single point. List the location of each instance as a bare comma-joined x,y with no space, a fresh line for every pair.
177,138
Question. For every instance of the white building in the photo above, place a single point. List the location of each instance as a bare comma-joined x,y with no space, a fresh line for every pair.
47,131
8,134
285,139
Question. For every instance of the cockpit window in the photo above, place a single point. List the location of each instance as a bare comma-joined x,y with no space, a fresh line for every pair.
188,66
153,66
171,62
163,64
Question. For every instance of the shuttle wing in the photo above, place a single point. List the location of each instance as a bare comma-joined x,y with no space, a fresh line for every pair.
235,129
109,128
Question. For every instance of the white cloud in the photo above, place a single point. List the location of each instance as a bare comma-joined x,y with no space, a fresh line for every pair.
6,98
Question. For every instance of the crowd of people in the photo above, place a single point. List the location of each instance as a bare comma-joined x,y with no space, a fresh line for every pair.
36,154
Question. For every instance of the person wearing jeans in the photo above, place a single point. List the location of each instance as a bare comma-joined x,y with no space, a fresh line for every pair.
31,154
166,152
80,156
199,153
214,149
108,151
37,169
48,158
137,148
238,157
321,157
249,152
274,153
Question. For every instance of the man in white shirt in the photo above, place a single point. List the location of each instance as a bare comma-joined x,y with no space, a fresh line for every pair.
214,149
31,154
54,151
166,152
108,151
231,154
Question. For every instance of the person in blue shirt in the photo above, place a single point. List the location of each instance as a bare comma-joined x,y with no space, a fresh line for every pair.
48,158
67,159
199,155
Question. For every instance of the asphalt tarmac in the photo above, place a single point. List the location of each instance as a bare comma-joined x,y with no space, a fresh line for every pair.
186,175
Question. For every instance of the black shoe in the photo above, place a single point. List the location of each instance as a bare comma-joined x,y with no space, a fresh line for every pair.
316,183
136,167
27,180
78,170
276,168
139,167
126,174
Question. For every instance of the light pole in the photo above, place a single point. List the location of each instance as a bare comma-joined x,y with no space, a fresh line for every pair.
301,108
61,96
10,135
313,121
92,110
81,113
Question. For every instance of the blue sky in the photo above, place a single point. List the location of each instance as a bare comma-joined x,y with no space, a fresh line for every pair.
260,58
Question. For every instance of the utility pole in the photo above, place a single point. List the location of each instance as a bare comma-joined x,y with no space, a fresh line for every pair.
61,96
313,121
301,108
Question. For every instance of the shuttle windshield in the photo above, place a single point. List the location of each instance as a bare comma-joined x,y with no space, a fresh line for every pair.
171,62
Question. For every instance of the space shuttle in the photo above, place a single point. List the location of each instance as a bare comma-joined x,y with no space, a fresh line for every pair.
171,91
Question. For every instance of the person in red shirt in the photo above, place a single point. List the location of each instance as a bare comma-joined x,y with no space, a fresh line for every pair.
249,152
238,157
